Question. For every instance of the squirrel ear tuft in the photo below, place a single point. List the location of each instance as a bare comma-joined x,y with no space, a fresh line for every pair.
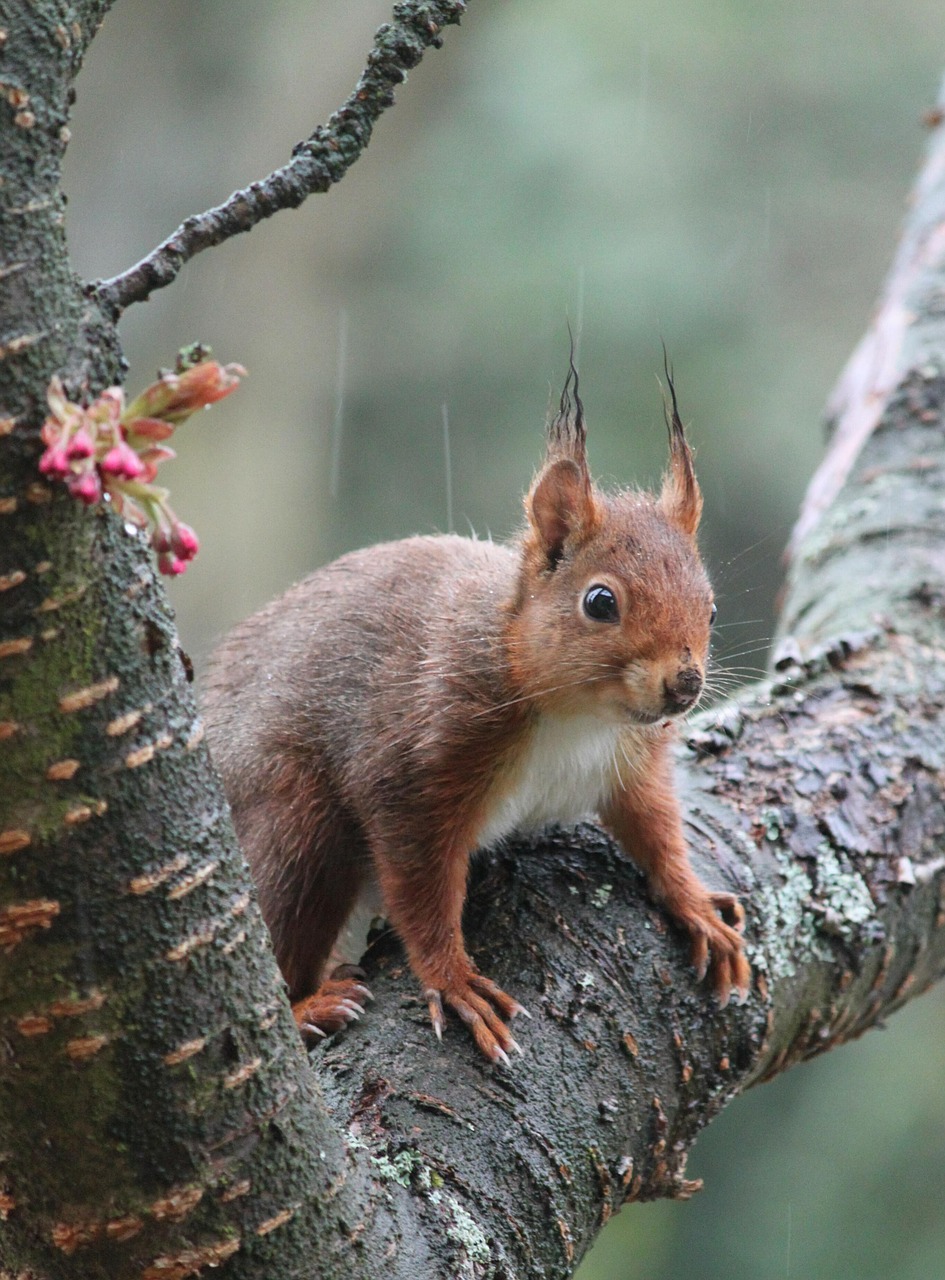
566,435
681,497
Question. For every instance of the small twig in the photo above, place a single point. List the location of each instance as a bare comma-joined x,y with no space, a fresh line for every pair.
316,164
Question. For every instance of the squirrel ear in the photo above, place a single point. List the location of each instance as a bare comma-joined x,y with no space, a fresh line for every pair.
560,506
681,497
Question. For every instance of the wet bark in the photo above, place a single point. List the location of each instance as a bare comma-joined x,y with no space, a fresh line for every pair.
157,1115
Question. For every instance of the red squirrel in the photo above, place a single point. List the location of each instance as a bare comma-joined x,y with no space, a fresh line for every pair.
414,701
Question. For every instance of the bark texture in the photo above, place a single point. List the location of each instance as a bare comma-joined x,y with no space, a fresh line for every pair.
157,1115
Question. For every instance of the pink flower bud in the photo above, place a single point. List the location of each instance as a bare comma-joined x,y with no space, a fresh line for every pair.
184,541
86,487
81,445
122,461
160,541
105,452
54,462
113,464
169,564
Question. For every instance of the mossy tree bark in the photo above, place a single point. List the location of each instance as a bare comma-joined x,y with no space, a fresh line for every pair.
158,1117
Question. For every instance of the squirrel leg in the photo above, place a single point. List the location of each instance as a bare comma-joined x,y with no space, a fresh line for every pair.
310,866
643,814
340,996
424,898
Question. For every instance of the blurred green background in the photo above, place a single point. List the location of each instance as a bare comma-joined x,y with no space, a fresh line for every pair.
727,176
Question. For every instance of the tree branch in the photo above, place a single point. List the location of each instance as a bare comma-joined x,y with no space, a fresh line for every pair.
316,164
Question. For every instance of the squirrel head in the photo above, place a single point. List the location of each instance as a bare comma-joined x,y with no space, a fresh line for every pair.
613,608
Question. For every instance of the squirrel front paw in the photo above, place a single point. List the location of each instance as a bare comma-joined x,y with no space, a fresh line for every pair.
476,1000
339,1000
718,947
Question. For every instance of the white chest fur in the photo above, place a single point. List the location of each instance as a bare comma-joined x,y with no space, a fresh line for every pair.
565,771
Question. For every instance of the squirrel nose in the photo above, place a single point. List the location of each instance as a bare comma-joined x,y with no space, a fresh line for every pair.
682,693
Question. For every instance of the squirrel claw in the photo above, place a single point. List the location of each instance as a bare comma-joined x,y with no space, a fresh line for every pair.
353,977
741,978
435,1005
700,955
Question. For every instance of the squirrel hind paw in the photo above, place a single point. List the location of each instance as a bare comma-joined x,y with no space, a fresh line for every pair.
338,1001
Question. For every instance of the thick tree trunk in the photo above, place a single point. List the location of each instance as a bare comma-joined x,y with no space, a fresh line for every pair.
149,1069
157,1115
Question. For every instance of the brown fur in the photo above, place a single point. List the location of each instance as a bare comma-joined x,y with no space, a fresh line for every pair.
372,722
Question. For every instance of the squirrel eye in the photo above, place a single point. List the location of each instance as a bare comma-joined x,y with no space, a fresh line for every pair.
600,604
713,614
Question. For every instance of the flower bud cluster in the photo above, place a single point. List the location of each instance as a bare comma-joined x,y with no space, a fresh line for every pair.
110,450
